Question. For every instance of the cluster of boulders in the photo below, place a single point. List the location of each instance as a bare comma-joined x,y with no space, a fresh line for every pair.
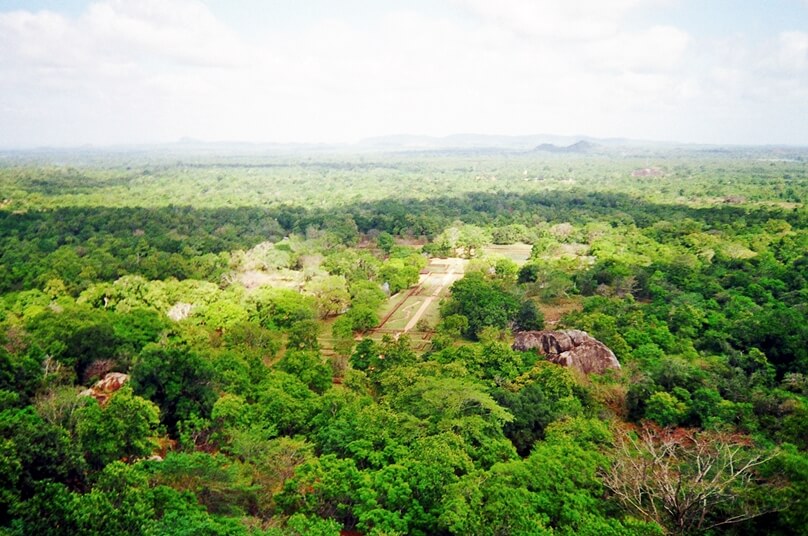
570,348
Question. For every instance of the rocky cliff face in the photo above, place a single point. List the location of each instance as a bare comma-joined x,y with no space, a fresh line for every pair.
571,348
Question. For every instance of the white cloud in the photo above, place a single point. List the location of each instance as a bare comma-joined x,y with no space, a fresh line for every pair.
793,53
128,71
659,48
557,19
181,30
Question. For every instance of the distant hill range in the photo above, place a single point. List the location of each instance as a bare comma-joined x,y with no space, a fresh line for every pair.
550,144
455,144
580,147
536,142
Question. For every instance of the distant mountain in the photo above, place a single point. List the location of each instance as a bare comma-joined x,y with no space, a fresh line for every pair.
455,144
550,143
464,141
579,147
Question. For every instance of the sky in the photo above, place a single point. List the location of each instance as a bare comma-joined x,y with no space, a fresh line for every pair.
111,72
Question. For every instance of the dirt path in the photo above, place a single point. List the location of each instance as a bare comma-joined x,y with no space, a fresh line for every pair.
447,279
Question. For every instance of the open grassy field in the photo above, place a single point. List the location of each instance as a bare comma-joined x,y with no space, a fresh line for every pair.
518,253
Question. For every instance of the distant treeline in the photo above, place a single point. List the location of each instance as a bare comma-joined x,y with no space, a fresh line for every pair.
102,243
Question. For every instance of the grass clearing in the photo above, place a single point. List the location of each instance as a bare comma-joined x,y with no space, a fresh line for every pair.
553,312
518,253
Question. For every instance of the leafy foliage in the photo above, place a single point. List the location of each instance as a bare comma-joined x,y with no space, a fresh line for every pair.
175,378
482,303
239,317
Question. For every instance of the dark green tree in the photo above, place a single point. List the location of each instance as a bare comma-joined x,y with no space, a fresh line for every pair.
123,428
175,378
482,302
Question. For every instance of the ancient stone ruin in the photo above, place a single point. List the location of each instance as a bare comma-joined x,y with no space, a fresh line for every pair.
570,348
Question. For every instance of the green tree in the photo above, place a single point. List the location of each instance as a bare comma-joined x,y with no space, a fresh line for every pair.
365,354
385,242
119,503
665,408
471,239
398,274
483,303
35,451
303,335
362,318
302,525
327,487
330,294
529,317
123,428
460,406
556,489
309,366
75,336
175,378
285,403
276,307
219,484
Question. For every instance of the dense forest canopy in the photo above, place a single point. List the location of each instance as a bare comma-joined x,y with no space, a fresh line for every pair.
315,343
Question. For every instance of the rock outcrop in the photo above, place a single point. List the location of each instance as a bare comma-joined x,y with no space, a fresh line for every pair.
571,348
104,388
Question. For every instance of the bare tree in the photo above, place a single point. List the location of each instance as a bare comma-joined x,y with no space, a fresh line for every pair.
687,481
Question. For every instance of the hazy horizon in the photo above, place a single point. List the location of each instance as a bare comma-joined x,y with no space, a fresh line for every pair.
115,72
402,142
